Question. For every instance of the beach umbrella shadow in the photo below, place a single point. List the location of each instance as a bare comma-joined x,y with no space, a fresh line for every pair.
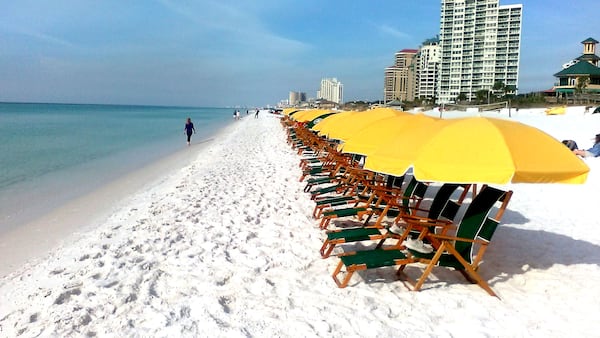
513,217
516,251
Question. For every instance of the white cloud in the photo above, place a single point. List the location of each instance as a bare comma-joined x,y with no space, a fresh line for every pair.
236,26
40,36
393,31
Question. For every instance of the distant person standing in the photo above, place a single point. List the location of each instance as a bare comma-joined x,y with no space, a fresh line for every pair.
256,114
189,130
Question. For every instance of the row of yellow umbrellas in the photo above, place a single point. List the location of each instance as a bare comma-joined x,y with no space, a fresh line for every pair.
465,150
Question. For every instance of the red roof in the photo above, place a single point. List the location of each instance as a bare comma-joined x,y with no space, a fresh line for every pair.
413,51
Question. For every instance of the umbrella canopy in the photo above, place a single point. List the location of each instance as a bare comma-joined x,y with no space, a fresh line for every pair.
481,150
309,115
331,120
398,156
318,119
343,128
381,132
556,111
288,111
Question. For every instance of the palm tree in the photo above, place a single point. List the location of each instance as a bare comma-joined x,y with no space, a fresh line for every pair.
498,87
481,95
581,85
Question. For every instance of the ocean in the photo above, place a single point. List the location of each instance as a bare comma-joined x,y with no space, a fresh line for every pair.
51,153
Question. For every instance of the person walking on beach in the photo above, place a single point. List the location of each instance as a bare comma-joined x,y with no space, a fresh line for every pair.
256,114
189,130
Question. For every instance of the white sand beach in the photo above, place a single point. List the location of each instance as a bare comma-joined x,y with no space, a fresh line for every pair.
226,247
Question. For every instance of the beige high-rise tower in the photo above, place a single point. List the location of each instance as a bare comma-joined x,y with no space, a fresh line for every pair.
400,79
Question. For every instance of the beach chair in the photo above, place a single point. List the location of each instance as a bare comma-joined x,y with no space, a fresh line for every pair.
379,203
357,188
413,192
456,252
328,167
441,205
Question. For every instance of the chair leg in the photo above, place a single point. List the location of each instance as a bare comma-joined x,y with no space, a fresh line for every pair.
324,223
342,283
472,273
467,277
327,248
314,214
430,266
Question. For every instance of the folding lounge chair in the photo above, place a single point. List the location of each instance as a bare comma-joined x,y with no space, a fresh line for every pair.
340,183
414,191
441,205
334,183
476,227
357,188
327,167
382,200
321,178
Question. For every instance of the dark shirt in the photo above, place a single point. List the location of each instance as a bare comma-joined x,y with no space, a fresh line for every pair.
189,128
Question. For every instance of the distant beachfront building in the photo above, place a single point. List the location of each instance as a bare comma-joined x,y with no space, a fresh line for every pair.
400,79
480,43
428,62
585,68
331,90
296,98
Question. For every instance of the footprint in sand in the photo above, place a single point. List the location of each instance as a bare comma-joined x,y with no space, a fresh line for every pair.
66,296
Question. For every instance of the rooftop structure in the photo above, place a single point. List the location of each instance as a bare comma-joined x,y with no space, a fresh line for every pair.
583,68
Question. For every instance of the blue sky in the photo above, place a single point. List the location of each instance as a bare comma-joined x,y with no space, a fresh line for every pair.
225,53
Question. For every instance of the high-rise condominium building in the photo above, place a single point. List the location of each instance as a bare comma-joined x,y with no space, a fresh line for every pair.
400,80
480,43
428,62
331,90
296,98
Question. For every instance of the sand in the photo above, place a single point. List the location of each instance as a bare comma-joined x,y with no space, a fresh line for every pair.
226,246
32,241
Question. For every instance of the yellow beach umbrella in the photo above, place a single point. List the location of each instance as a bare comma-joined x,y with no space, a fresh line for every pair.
488,150
320,118
399,155
332,120
556,110
382,132
309,115
343,128
288,111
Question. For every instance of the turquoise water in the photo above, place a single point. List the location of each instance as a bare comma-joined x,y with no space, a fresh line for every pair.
65,150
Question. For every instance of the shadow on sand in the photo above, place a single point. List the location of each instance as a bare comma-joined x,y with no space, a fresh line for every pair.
513,251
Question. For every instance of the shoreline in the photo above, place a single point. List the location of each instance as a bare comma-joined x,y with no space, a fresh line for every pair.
28,243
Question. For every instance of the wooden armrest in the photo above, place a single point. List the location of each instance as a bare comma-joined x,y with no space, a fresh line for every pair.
424,221
459,239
